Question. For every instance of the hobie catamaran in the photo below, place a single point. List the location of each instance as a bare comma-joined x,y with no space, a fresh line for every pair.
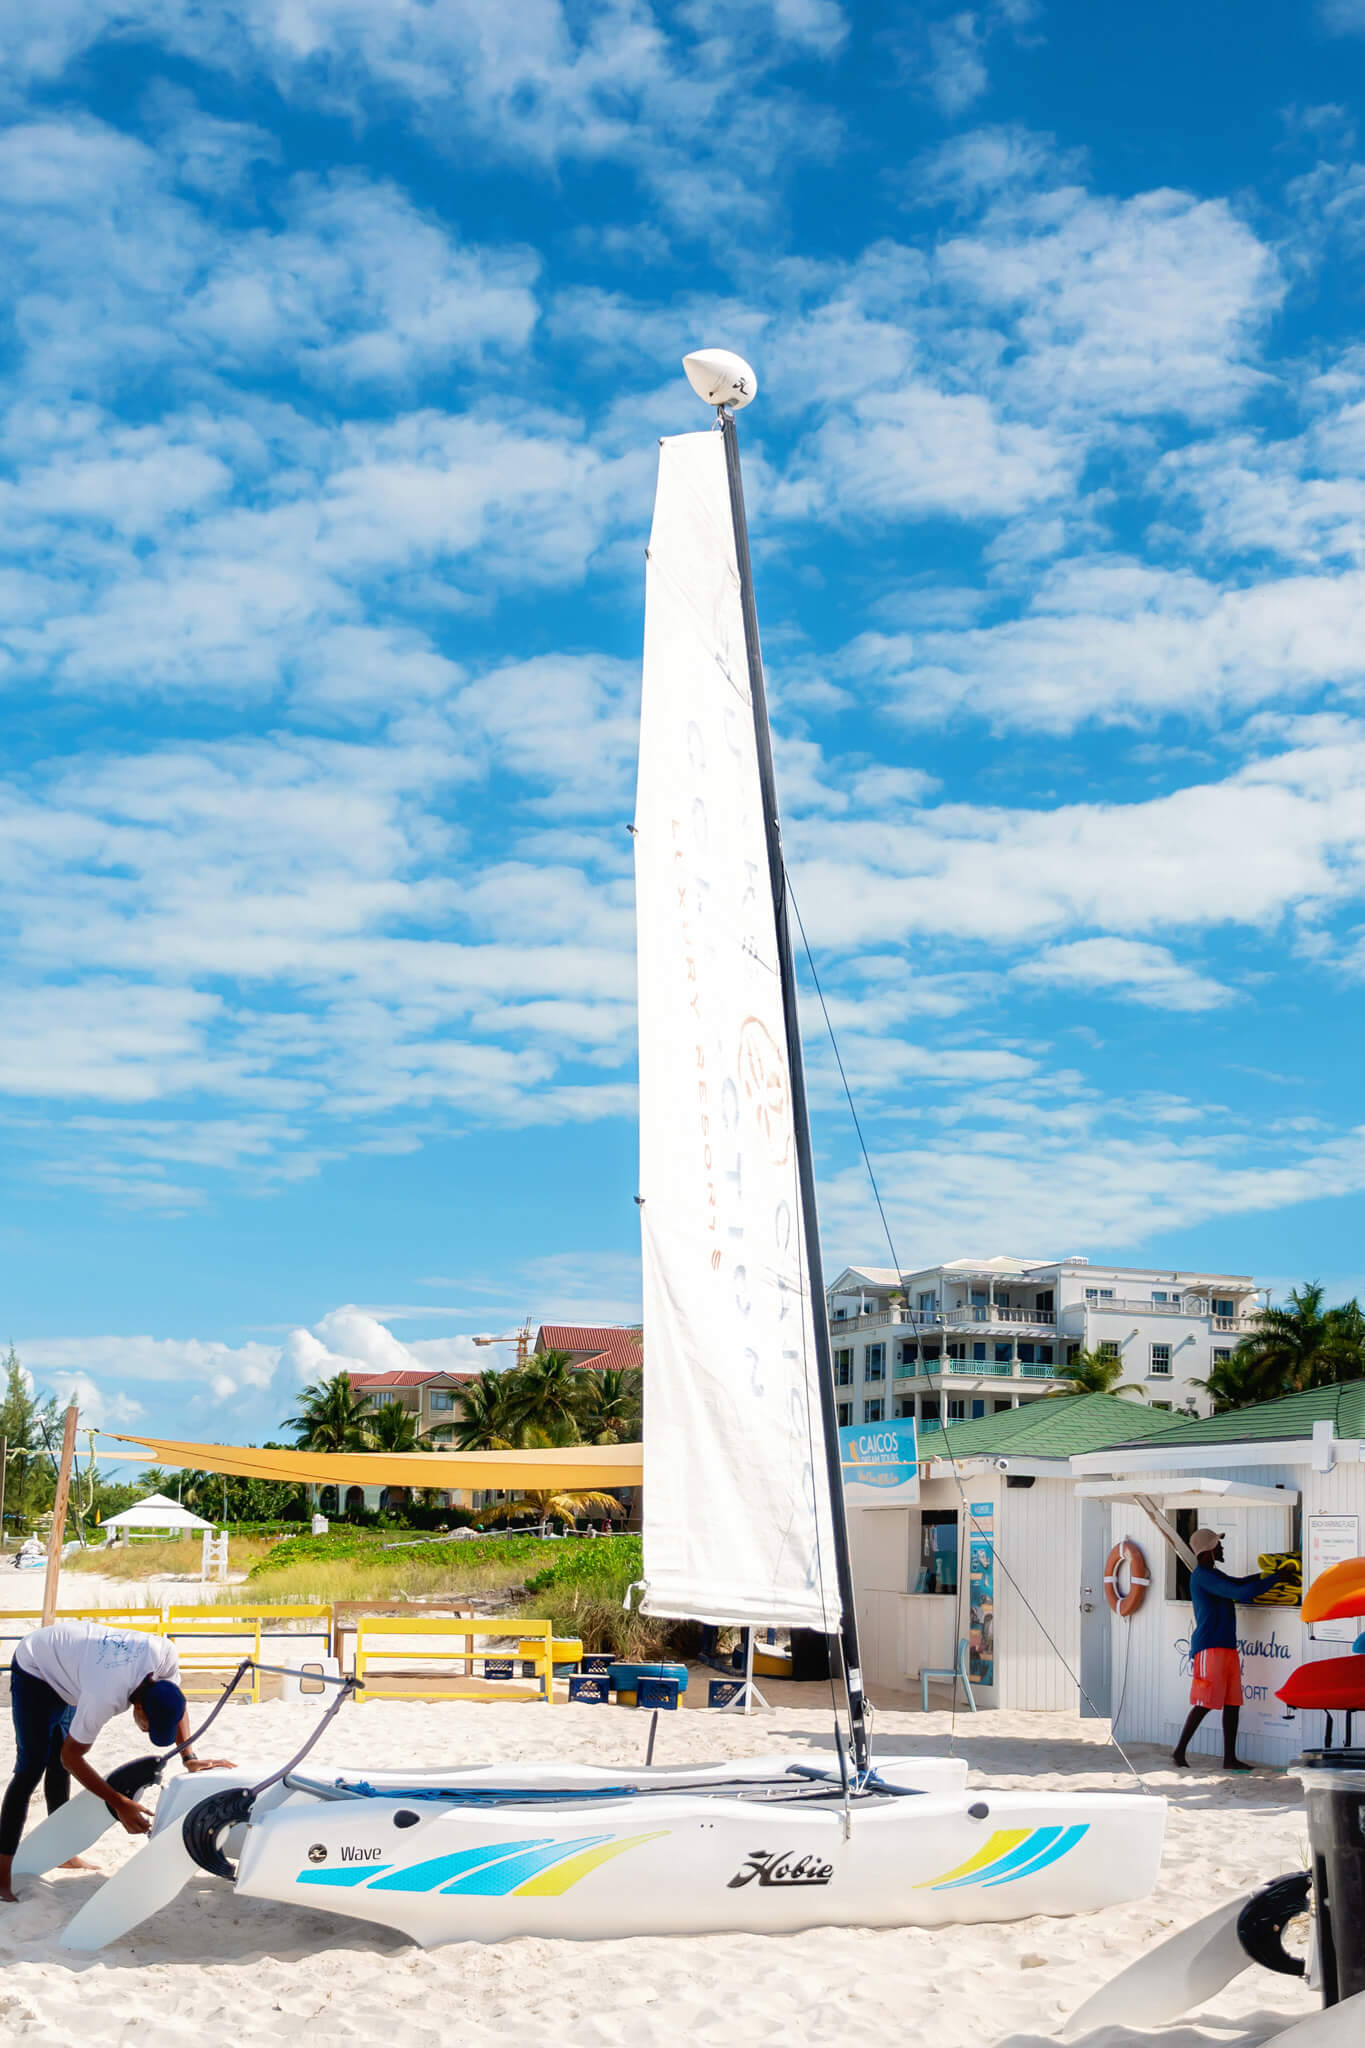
743,1506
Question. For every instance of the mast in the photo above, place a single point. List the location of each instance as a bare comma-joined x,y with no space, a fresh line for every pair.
810,1222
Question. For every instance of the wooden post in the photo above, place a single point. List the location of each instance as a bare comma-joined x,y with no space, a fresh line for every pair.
58,1530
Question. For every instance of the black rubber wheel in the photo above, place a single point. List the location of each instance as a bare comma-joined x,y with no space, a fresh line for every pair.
1264,1917
204,1823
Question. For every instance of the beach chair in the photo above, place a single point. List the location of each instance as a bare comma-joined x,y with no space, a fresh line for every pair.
960,1670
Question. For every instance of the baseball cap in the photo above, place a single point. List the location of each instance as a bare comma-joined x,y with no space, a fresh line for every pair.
1204,1539
164,1705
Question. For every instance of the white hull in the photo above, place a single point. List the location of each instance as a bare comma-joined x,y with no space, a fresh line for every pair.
673,1861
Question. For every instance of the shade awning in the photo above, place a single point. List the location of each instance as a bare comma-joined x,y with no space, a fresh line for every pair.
156,1512
1191,1493
574,1467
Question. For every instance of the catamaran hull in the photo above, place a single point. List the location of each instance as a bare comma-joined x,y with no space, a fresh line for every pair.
697,1865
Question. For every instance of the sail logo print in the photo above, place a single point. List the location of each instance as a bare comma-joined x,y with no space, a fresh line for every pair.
763,1077
777,1867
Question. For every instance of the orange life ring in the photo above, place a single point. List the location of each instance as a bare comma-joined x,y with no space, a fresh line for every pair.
1126,1552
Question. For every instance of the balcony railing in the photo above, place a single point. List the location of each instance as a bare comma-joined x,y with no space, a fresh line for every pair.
977,1368
1193,1307
998,1312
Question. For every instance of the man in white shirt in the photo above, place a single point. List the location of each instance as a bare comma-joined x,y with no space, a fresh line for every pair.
66,1681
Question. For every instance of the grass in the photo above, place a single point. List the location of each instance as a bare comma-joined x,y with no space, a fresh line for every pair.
578,1586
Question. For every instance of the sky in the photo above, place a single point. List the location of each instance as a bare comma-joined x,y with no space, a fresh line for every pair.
335,346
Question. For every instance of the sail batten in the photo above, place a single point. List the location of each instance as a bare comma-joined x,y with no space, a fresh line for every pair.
736,1515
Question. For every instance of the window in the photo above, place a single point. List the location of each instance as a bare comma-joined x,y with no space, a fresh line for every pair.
957,1411
1159,1296
904,1410
926,1303
1003,1407
905,1355
1026,1352
874,1411
978,1351
978,1408
1044,1354
938,1551
1073,1352
1099,1294
845,1414
874,1362
1109,1349
1161,1360
441,1400
840,1314
843,1368
1167,1405
1222,1306
1221,1357
928,1412
1004,1354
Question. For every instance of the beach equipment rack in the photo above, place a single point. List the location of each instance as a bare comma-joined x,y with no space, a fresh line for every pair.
451,1642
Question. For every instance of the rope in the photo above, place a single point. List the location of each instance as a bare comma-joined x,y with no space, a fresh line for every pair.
968,1517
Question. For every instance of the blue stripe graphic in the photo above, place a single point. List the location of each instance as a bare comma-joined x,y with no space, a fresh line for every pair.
497,1879
1049,1854
1001,1870
348,1876
424,1877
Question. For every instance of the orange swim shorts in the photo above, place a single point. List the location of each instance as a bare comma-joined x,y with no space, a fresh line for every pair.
1217,1680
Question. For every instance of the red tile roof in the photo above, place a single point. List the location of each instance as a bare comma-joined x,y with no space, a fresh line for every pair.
405,1379
595,1347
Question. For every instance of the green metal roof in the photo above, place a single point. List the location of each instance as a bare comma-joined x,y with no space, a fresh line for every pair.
1059,1426
1278,1421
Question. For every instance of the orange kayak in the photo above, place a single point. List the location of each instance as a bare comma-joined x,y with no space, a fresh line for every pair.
1337,1592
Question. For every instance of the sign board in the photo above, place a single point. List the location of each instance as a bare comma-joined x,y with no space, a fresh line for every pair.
981,1591
880,1465
1269,1643
1329,1540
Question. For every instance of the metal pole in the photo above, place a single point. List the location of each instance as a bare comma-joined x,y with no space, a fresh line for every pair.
4,1467
58,1529
772,825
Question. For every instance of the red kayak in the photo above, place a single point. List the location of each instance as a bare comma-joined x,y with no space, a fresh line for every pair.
1335,1685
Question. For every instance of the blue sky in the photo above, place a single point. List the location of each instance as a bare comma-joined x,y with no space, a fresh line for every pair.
335,345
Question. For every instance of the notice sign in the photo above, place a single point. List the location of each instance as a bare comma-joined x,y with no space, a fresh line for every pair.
880,1467
981,1592
1331,1539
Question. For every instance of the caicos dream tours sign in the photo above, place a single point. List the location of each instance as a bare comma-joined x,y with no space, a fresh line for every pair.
880,1466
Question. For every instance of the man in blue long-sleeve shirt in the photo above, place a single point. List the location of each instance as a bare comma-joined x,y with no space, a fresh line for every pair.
1217,1675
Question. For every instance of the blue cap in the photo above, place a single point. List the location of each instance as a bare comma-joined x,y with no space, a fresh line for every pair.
164,1705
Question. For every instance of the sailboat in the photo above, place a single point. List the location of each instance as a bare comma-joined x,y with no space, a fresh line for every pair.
743,1514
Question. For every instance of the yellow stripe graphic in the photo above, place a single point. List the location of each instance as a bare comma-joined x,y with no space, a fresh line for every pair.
561,1875
1000,1844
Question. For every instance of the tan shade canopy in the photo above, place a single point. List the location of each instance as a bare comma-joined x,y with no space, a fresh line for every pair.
576,1465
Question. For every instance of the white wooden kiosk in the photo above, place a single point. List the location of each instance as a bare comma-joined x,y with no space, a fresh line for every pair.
997,1549
1283,1476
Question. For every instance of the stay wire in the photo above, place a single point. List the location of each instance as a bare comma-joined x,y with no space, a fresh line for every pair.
969,1515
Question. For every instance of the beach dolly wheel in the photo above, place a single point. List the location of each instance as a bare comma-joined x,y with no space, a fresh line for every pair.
204,1826
1264,1917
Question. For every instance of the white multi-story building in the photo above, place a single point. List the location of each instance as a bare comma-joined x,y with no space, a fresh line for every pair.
978,1335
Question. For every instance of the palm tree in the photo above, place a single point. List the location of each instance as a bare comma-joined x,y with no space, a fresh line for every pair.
609,1406
390,1427
1093,1372
1292,1349
544,1398
486,1421
331,1416
554,1506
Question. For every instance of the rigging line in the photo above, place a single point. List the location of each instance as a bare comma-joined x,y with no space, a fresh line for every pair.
969,1517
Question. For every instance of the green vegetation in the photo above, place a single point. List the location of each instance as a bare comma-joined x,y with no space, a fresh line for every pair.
1291,1351
1093,1372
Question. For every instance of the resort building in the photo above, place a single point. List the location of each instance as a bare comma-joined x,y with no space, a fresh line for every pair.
977,1336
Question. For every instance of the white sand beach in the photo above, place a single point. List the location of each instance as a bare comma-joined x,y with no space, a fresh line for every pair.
211,1969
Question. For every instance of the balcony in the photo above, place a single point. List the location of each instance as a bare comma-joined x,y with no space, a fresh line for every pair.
976,1368
995,1312
876,1319
1193,1308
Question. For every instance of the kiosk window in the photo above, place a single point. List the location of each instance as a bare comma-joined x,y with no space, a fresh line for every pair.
938,1551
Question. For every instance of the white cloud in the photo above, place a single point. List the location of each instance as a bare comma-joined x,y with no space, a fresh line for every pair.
1124,967
957,74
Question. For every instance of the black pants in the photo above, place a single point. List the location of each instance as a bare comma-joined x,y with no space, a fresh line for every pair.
41,1720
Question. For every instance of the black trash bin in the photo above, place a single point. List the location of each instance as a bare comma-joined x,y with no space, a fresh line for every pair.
1334,1783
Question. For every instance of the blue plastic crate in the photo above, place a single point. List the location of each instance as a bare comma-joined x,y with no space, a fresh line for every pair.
658,1692
497,1667
595,1661
590,1689
721,1691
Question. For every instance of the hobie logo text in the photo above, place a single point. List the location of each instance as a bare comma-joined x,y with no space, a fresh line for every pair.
778,1866
349,1855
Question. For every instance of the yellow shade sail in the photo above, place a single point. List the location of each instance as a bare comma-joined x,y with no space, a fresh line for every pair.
568,1469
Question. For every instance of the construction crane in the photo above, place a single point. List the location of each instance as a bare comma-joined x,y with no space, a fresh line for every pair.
521,1338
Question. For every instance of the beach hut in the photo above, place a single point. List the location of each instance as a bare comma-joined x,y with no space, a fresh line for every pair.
995,1552
1281,1478
154,1516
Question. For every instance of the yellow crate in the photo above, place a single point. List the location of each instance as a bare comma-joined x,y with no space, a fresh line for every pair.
439,1638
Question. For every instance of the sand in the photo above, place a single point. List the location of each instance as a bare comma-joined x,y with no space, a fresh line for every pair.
213,1969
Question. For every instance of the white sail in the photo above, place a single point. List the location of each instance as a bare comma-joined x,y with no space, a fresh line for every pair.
736,1498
